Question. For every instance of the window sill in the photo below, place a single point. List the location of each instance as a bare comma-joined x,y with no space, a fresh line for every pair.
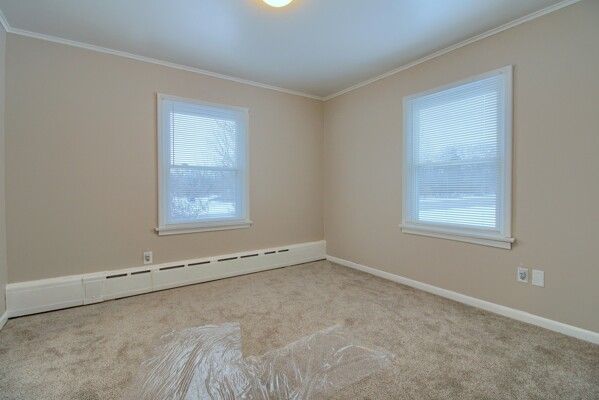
204,227
492,241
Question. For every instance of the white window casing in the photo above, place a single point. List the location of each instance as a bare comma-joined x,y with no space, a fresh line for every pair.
458,161
203,166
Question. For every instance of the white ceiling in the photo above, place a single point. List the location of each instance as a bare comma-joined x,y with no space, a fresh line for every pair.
317,47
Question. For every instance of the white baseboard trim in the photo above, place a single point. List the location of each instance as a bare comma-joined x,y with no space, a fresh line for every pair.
3,319
32,297
519,315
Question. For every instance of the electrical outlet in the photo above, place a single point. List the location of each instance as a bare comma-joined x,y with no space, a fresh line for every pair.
522,275
538,277
148,257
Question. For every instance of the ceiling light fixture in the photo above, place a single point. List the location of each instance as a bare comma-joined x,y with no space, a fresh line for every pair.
277,3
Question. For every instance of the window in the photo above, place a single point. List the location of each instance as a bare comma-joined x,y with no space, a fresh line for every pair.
457,161
203,171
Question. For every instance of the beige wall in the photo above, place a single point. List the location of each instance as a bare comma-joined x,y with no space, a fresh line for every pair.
556,171
81,165
3,271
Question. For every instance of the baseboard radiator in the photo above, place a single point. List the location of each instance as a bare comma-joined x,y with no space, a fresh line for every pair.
32,297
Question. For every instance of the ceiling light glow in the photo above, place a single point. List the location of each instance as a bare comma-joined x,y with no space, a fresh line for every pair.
277,3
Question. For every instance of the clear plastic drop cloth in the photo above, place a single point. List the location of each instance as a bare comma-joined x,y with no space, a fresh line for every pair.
207,363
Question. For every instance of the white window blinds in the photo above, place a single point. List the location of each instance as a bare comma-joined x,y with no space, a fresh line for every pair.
457,158
202,164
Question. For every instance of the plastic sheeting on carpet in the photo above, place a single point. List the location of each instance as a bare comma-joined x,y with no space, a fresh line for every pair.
206,363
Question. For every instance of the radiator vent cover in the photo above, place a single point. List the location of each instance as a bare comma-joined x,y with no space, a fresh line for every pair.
128,282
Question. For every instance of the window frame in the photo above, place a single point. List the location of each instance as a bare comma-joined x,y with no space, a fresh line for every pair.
216,224
501,238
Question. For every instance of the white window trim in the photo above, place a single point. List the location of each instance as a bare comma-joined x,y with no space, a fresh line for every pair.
209,225
501,240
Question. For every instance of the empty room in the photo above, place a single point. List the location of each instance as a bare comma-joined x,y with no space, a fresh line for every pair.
299,199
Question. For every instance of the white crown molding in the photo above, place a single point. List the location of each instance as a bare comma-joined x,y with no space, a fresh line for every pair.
169,64
87,46
456,46
513,313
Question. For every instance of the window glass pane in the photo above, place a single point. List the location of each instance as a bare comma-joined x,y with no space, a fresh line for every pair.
203,141
196,194
460,129
458,194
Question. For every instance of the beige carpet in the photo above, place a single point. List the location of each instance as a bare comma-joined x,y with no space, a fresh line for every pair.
442,349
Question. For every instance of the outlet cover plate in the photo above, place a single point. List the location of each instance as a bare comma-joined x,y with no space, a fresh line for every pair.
522,274
538,277
148,257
